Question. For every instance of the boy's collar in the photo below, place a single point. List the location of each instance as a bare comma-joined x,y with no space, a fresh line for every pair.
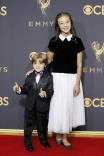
40,71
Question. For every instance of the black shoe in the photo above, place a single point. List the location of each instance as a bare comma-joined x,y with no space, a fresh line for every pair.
67,146
58,142
29,147
46,145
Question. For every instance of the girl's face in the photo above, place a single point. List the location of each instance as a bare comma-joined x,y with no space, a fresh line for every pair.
64,25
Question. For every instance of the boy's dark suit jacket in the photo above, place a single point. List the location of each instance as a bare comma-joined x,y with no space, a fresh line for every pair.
32,90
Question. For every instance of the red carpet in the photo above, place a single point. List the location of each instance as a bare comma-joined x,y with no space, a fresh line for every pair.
13,146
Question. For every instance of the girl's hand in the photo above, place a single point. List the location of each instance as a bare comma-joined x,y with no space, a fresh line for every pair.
42,93
28,73
16,87
76,90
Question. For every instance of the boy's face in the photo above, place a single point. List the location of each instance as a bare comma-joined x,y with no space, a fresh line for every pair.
38,65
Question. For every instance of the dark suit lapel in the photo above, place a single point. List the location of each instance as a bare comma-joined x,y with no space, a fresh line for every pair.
34,79
41,79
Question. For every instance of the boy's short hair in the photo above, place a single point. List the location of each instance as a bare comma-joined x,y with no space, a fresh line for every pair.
40,56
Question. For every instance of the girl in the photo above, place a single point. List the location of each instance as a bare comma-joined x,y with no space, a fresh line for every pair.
67,103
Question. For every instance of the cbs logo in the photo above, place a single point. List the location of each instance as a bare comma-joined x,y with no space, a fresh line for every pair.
88,9
32,53
95,102
3,11
4,101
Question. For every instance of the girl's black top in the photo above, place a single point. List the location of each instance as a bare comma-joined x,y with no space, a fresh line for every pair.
65,54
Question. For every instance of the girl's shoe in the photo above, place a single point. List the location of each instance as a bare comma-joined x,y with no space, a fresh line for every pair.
58,142
67,146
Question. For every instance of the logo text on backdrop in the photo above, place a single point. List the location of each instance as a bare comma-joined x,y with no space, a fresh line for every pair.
95,102
97,10
3,11
39,23
4,101
3,69
93,70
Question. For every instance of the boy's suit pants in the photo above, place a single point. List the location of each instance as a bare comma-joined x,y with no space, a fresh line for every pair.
41,121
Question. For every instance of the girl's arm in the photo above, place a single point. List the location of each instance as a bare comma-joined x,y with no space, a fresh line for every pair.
29,72
50,56
79,72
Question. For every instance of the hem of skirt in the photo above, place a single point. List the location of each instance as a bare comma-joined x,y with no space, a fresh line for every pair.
64,72
65,132
59,132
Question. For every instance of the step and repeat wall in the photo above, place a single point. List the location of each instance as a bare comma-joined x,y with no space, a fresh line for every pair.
26,26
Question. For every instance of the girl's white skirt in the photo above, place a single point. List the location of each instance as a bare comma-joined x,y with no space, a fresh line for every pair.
66,111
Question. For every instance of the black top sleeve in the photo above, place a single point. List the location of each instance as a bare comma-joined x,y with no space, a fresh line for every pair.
80,46
51,45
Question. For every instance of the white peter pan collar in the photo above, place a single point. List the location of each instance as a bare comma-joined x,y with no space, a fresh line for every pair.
63,38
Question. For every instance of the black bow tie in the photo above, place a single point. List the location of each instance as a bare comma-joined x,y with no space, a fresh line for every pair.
39,73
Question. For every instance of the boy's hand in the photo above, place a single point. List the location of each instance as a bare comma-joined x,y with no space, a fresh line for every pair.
16,87
42,93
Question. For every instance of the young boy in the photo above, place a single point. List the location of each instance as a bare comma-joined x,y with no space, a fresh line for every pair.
39,88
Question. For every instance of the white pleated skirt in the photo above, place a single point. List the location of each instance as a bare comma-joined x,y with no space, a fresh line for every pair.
66,111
